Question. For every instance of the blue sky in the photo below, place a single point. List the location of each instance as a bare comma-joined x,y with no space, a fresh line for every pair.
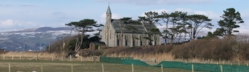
21,14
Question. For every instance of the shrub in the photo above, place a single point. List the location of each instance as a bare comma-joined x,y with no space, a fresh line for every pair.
227,48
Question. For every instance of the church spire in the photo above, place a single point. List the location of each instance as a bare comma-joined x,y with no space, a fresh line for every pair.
108,10
108,15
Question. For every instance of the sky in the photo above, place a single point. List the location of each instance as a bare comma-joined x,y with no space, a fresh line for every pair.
22,14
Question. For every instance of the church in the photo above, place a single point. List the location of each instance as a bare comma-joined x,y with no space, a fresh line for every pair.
115,33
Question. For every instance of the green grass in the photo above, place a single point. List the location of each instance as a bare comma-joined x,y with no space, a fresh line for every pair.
65,66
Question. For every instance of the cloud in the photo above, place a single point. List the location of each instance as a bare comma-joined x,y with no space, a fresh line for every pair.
10,5
7,23
60,16
210,14
156,2
15,24
28,5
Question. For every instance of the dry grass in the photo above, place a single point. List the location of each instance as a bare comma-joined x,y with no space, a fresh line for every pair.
32,54
44,56
233,49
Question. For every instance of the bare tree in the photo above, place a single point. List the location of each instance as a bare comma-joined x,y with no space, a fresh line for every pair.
82,27
197,23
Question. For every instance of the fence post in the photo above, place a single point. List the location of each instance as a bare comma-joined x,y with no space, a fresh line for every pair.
132,68
103,69
70,57
37,57
238,63
80,58
193,68
62,58
4,57
41,67
9,68
12,57
71,68
52,58
20,57
92,58
246,64
161,67
221,69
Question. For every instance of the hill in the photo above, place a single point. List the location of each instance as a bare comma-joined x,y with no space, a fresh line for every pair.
31,39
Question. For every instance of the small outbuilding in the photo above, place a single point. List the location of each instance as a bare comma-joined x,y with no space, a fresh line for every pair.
96,45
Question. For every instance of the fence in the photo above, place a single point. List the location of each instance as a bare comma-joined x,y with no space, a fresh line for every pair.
122,64
79,67
51,58
181,65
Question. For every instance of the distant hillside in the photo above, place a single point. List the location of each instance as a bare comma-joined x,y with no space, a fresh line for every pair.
31,39
41,29
45,29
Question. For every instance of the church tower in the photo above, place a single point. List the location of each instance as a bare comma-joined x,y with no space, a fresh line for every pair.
108,24
108,15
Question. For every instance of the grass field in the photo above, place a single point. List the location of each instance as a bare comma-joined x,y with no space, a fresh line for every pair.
75,66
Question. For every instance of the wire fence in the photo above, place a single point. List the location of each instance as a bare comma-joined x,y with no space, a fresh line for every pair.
80,67
51,58
181,65
125,64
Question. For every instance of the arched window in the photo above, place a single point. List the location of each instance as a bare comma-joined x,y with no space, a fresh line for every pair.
110,35
106,36
126,42
133,42
117,42
141,43
155,39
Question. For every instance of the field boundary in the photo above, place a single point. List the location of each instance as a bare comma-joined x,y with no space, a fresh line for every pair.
52,58
181,65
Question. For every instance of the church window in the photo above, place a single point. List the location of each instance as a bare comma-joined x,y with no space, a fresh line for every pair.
141,43
110,35
126,43
117,42
155,40
133,43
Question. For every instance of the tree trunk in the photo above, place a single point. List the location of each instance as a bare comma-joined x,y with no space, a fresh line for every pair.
194,34
165,41
185,37
166,33
180,36
172,39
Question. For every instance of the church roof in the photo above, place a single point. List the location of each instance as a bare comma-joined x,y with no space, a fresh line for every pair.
141,28
108,10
